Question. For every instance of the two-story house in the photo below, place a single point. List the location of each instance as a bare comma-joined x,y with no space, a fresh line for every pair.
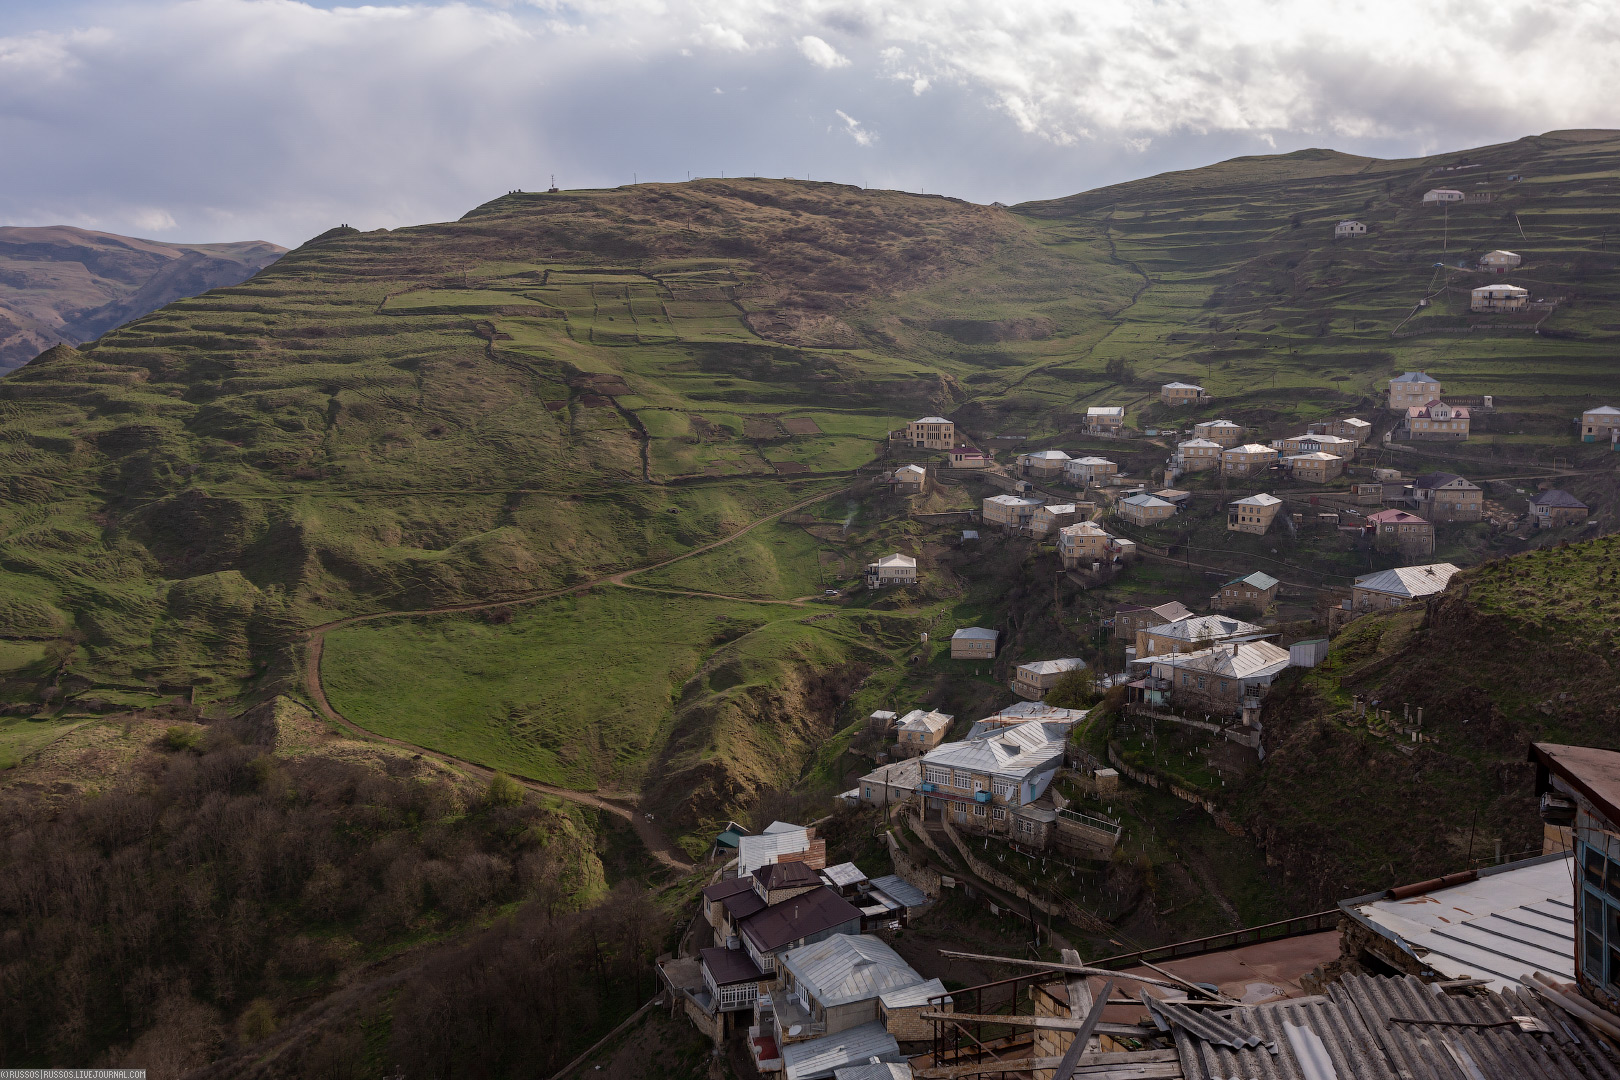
1014,512
1412,388
908,480
1257,590
1316,443
981,783
1051,517
1247,460
812,916
1389,589
974,643
893,569
1348,228
1180,393
1554,508
1031,681
1129,618
919,732
931,433
1043,464
1350,427
1084,543
1145,510
1194,634
1600,424
1315,468
1398,530
1105,418
1503,297
1443,496
1090,471
1499,261
1223,679
1223,432
1196,455
1436,420
1253,514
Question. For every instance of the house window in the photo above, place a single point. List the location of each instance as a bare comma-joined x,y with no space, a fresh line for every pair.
938,776
964,780
978,809
1600,917
1223,686
998,813
868,791
1002,787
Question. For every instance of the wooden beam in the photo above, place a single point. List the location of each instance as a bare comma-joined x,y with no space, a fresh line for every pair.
1048,1023
1077,1045
1046,965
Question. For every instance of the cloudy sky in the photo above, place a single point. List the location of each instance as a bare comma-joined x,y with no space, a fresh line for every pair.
275,119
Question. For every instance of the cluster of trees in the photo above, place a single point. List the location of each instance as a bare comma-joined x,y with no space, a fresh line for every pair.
179,914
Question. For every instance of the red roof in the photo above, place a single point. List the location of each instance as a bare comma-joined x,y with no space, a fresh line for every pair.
1391,517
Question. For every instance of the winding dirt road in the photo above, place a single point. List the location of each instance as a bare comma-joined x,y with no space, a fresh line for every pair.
622,804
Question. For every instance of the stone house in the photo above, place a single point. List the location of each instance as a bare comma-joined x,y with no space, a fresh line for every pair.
1599,424
1196,455
1180,393
1554,508
1224,432
1316,468
1413,388
1499,261
1498,298
1351,428
1399,530
893,784
1145,510
1194,634
1257,590
893,569
1084,471
931,433
1249,459
1105,418
1051,517
1013,512
1390,589
919,732
1130,618
981,783
1031,681
1443,496
1082,544
1222,680
1253,515
1043,464
1349,228
908,479
1436,420
974,643
833,985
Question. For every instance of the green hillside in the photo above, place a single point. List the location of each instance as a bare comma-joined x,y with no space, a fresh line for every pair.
563,387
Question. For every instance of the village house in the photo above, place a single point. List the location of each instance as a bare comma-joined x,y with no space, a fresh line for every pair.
1316,468
1247,460
1180,393
1349,228
1554,508
919,732
931,433
986,784
967,457
1350,428
1438,196
893,784
1087,471
1498,298
1043,464
908,479
1105,418
1443,496
781,841
1413,388
1010,511
1499,261
1196,455
1026,712
833,986
1314,443
1194,634
1084,543
1436,420
812,916
1031,681
1051,517
1599,424
732,980
1129,618
974,643
1225,679
1389,589
1145,510
1222,432
784,880
1177,498
1257,591
893,569
1399,530
1252,515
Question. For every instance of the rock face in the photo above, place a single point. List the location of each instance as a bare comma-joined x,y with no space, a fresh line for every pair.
61,284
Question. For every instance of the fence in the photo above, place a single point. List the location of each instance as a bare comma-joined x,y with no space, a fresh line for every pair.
1304,924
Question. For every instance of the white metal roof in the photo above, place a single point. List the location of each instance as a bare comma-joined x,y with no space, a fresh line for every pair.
1038,710
1093,461
918,720
1046,455
1250,660
1409,581
931,420
897,560
1252,448
1604,410
814,1059
1013,752
911,470
1501,290
845,873
846,968
1083,528
1180,386
754,852
976,633
917,994
1259,579
1013,500
1314,455
900,890
1200,443
1053,667
1145,500
1216,423
1510,922
1057,508
1214,627
782,827
1106,410
883,1070
883,714
1261,499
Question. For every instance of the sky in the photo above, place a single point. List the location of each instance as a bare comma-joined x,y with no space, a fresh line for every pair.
219,120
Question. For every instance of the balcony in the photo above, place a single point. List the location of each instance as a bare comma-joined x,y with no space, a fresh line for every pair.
927,787
981,796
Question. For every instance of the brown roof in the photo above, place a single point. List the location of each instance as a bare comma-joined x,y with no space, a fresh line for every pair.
788,875
729,887
1592,771
803,916
743,904
728,966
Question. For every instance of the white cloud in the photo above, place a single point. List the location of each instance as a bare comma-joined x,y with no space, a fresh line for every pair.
278,118
152,220
853,128
821,54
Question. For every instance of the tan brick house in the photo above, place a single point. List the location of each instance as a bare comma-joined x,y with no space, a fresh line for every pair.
1413,388
1253,515
1247,460
1443,496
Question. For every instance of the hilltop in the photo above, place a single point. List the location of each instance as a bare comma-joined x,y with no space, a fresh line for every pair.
61,284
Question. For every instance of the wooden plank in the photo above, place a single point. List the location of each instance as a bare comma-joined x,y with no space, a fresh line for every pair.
1048,1023
1077,1044
1046,965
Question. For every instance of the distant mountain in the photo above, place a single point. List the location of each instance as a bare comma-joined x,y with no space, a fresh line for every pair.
61,284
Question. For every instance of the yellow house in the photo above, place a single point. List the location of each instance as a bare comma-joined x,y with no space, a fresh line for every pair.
967,457
1253,515
1317,468
1599,424
1010,511
1247,460
1083,544
974,643
1082,471
1196,455
1145,510
1413,388
931,433
1436,420
1180,393
1221,432
1105,417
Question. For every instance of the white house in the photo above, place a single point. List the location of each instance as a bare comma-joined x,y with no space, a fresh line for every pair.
1499,261
1082,471
1010,511
1105,417
1196,455
893,569
909,479
1442,195
1499,298
1349,228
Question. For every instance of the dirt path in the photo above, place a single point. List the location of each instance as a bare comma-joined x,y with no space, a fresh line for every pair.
622,804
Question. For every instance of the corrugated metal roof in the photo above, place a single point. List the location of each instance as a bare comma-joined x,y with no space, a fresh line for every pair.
756,851
900,891
1409,581
976,633
1507,923
1038,710
1012,751
1251,660
845,873
1091,461
1343,1047
1213,627
1199,443
1261,499
1212,1026
1056,509
1556,497
1046,455
915,995
1259,579
1144,500
1105,410
847,967
817,1058
917,720
1053,667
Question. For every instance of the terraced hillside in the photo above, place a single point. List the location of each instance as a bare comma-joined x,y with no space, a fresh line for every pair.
562,388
